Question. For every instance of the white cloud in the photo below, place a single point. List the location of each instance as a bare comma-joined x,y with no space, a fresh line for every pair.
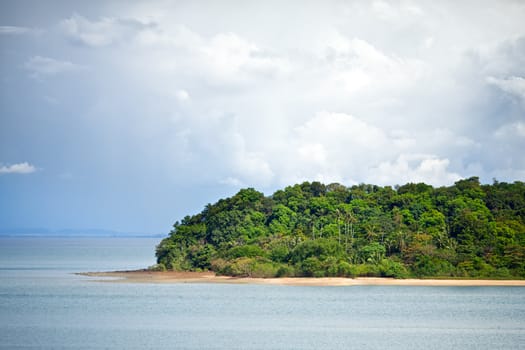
340,129
414,168
104,32
45,66
355,66
329,147
168,37
312,152
222,59
18,168
428,42
340,147
13,30
204,94
253,167
383,9
389,11
228,55
395,104
387,91
182,95
230,148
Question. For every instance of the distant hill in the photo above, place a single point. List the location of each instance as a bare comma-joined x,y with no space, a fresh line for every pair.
467,230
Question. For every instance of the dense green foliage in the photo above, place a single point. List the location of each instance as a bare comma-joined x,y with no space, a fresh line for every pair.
311,229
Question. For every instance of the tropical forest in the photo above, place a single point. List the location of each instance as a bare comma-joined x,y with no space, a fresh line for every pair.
467,230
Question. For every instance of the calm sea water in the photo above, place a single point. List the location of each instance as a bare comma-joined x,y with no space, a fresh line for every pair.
44,306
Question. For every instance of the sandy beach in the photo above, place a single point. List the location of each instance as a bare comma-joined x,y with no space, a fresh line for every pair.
143,276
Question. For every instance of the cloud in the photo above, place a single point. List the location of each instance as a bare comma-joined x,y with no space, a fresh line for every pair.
414,168
19,168
338,147
513,85
223,59
503,60
228,55
182,95
329,147
356,73
511,130
104,32
44,66
203,96
230,152
13,30
398,116
392,12
383,91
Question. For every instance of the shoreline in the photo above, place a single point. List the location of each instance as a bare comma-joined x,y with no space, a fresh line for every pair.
171,277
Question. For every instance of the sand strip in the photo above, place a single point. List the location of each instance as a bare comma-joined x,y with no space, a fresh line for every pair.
143,276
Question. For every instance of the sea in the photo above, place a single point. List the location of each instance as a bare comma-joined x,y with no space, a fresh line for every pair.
45,305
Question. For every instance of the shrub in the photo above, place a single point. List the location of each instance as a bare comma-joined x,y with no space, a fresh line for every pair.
429,266
246,267
219,265
247,251
280,253
285,271
331,267
319,248
390,268
264,269
312,267
502,273
157,267
365,270
344,269
201,256
241,267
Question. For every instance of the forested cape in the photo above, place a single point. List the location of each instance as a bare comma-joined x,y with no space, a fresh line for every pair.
467,230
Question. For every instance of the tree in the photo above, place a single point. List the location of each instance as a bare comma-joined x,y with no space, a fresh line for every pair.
466,229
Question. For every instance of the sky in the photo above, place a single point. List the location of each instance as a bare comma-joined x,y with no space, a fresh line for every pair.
129,115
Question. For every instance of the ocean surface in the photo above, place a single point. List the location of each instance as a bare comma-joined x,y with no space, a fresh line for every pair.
43,305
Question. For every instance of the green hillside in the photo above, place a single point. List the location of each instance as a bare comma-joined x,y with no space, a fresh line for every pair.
467,230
